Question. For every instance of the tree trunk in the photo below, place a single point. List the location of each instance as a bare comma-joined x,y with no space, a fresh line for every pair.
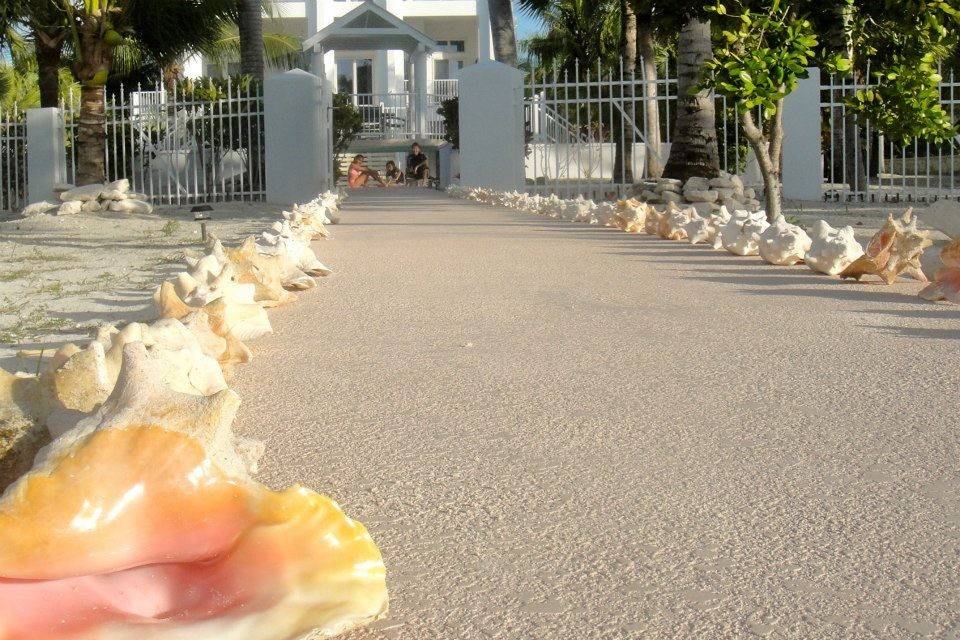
768,158
504,36
623,125
250,27
694,147
47,50
91,135
648,60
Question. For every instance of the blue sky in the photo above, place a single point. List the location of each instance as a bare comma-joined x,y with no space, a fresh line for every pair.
525,24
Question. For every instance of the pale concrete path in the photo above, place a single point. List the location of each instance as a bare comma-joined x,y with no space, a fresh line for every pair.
558,431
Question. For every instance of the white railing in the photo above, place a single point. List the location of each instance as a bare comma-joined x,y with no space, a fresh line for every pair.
588,131
182,149
860,164
389,116
447,88
13,160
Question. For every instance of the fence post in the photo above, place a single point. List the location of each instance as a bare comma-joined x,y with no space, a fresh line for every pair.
491,126
296,147
802,155
46,154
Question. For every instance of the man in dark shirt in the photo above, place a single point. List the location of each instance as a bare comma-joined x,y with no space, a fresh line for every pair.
417,166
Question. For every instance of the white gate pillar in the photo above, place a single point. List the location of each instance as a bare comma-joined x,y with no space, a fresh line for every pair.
420,91
802,156
46,157
296,145
491,126
484,32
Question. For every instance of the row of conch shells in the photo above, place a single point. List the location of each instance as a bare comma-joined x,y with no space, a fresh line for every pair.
140,519
895,250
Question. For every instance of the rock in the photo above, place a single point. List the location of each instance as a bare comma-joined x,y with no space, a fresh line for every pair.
704,209
116,190
696,184
737,183
84,193
92,206
749,192
721,183
38,208
725,193
694,195
944,216
670,196
60,187
669,183
131,206
732,204
649,196
70,208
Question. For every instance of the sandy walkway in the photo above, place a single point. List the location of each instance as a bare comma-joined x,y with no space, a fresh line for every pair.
558,431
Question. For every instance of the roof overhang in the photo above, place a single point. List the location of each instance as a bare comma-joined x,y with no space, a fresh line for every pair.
369,27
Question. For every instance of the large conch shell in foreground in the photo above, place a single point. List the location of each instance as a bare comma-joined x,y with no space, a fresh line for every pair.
629,215
832,250
783,243
946,282
240,320
893,250
142,524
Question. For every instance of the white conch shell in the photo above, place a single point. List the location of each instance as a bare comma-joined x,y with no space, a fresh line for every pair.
741,234
628,215
242,321
677,221
783,243
832,250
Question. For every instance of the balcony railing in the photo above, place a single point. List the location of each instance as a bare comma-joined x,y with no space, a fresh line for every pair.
392,116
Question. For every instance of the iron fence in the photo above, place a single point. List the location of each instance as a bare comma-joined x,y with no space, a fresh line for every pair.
13,160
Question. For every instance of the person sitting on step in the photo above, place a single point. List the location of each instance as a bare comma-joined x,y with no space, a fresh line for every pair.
359,173
393,174
417,166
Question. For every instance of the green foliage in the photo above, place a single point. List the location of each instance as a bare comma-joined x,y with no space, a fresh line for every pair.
170,227
762,55
578,31
897,46
450,112
347,122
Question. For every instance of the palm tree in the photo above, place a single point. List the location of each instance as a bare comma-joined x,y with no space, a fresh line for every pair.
646,50
97,29
504,34
693,151
250,26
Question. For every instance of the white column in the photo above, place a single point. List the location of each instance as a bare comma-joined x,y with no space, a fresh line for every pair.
491,126
802,155
296,149
484,33
46,160
420,88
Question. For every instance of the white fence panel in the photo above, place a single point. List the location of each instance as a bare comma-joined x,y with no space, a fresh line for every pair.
178,149
13,160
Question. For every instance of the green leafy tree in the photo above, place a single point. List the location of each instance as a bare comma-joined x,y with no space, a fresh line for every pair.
761,58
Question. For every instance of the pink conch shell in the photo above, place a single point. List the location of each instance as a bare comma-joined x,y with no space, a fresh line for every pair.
141,524
893,250
946,282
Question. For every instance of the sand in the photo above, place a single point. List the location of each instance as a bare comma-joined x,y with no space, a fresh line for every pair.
62,276
561,431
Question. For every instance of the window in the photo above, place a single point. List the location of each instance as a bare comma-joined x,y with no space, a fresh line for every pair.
441,69
451,46
355,75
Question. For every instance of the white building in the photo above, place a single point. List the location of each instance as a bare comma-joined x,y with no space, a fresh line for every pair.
454,38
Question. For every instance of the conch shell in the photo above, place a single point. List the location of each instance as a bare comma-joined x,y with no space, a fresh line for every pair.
142,524
630,215
272,267
832,250
783,243
741,234
676,223
946,282
241,320
893,250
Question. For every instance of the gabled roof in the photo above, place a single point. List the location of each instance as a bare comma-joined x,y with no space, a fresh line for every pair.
369,27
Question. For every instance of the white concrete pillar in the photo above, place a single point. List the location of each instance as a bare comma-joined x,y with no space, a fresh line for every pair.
420,88
802,155
491,126
46,157
484,32
296,146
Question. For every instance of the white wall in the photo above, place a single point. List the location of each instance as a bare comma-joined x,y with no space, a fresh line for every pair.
581,161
